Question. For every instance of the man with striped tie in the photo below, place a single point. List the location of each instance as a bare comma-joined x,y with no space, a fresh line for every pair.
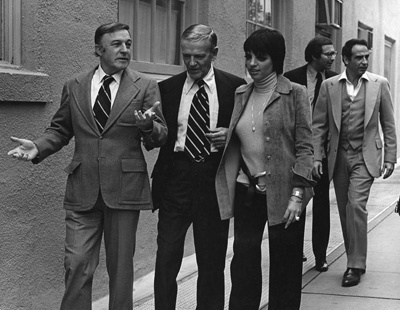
110,111
197,105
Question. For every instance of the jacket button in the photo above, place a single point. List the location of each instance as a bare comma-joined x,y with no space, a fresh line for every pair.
267,138
268,157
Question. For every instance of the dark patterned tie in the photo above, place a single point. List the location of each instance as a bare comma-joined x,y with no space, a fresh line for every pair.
197,146
102,106
317,88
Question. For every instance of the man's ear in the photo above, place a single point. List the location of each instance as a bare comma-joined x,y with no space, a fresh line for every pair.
215,53
98,50
345,60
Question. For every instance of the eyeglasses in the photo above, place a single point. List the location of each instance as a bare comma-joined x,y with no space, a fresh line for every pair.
330,54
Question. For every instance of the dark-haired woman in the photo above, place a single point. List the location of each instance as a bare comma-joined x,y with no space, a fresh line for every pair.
266,176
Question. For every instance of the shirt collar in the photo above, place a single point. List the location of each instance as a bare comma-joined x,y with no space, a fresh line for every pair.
313,73
208,80
343,76
100,75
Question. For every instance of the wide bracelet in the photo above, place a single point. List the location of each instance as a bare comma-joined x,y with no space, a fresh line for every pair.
297,194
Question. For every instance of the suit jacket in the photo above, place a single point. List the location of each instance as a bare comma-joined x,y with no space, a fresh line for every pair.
299,75
288,149
171,91
111,161
378,111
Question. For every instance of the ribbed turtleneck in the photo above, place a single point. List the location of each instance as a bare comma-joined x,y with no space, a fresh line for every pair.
266,84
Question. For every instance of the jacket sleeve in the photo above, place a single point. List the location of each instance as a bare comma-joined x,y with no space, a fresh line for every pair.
302,169
158,135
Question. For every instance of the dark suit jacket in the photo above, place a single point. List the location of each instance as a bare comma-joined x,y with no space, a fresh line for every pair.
111,161
171,91
299,75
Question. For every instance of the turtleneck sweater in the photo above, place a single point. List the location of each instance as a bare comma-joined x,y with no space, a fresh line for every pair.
249,128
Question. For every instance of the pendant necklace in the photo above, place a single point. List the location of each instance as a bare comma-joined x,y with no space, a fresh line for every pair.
253,122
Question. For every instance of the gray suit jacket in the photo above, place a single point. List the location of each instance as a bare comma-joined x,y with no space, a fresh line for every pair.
111,161
378,111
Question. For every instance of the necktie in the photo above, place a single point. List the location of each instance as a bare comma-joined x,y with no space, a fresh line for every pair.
102,106
316,91
197,146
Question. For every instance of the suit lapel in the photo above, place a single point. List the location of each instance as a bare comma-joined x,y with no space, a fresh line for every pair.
82,97
126,92
335,93
371,91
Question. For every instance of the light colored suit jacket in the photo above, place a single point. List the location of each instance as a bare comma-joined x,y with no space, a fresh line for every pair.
111,161
327,120
288,149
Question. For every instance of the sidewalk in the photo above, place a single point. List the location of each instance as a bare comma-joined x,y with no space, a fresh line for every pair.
379,288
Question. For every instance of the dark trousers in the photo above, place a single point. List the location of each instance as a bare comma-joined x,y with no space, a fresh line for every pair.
321,215
190,198
285,251
84,231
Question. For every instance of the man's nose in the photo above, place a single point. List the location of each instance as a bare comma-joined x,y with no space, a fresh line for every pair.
124,48
192,61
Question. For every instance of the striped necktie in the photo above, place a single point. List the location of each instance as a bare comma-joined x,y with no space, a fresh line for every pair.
197,145
102,106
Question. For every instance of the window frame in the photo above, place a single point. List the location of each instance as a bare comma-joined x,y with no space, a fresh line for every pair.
10,33
333,17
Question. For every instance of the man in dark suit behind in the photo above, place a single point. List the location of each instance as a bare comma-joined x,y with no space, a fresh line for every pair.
107,183
319,54
184,182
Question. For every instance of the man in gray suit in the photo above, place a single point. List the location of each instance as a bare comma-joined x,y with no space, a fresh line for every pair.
349,111
110,111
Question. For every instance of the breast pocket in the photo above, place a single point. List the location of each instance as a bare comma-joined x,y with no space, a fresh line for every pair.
127,118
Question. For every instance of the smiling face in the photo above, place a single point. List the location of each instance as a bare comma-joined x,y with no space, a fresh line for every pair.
258,67
114,51
198,57
358,62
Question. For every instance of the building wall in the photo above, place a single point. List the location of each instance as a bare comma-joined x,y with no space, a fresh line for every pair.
58,43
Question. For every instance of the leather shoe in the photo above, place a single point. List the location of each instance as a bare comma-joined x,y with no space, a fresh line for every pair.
321,266
352,277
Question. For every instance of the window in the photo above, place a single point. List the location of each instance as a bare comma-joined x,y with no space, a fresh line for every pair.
365,32
329,13
10,32
389,43
156,27
259,15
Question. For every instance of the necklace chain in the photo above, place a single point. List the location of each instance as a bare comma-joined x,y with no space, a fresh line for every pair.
254,121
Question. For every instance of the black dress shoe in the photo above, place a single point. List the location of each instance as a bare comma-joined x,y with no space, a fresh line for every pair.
321,266
304,258
352,277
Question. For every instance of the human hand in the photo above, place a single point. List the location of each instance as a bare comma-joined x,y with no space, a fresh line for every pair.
144,120
218,137
317,170
293,211
387,169
26,151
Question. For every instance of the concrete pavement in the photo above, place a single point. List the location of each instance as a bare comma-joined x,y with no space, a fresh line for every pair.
379,288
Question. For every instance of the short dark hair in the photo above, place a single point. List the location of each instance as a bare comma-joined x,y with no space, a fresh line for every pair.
348,46
314,47
199,32
267,41
108,28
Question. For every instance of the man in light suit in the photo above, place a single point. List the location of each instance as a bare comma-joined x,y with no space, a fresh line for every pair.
320,55
183,185
107,183
348,112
